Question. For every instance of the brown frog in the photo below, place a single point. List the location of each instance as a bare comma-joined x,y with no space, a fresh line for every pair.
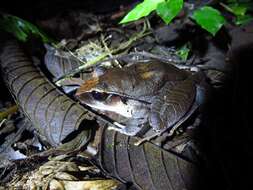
149,92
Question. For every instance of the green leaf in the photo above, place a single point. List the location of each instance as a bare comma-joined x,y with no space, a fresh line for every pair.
21,29
183,52
141,10
169,9
243,19
209,19
238,9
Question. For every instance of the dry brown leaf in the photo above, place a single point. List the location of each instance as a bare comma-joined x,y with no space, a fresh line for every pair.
107,184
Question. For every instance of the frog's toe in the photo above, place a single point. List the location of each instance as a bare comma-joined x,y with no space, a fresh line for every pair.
128,130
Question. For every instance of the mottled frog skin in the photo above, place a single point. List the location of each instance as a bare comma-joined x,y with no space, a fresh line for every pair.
149,92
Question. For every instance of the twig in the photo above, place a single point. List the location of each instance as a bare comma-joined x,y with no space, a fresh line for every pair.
226,7
2,122
14,137
8,111
103,39
102,56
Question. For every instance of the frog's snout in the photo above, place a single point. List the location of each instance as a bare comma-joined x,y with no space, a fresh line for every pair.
106,102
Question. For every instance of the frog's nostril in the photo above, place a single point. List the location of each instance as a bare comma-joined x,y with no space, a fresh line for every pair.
123,99
104,85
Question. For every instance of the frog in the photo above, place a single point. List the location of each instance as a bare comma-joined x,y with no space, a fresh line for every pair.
153,92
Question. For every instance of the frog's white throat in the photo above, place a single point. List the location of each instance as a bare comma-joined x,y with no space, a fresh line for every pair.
119,107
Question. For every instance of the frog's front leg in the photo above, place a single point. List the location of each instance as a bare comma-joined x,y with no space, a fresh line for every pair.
130,130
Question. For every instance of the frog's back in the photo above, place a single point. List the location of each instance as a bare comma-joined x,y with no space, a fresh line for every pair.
150,77
140,79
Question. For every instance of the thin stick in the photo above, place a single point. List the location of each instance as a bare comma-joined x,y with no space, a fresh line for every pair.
102,56
8,111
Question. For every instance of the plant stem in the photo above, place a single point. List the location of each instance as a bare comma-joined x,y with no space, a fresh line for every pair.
93,62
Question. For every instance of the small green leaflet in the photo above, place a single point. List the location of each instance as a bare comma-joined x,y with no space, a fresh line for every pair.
169,9
243,19
209,19
238,9
183,52
21,29
141,10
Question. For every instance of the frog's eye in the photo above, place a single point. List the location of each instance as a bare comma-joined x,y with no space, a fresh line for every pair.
100,96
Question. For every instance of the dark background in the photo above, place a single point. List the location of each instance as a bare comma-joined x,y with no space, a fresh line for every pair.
45,9
229,135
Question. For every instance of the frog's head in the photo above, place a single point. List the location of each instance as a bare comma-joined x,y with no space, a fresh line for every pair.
127,90
111,81
105,94
106,102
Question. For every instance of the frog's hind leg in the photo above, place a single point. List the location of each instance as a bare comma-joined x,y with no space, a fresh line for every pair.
172,129
172,103
172,107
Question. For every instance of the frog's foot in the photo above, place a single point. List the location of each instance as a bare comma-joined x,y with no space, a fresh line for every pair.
149,138
127,130
171,130
159,133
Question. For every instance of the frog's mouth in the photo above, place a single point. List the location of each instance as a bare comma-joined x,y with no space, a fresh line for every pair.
109,102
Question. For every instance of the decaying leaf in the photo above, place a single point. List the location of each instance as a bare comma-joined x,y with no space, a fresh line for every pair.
55,114
105,184
60,173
